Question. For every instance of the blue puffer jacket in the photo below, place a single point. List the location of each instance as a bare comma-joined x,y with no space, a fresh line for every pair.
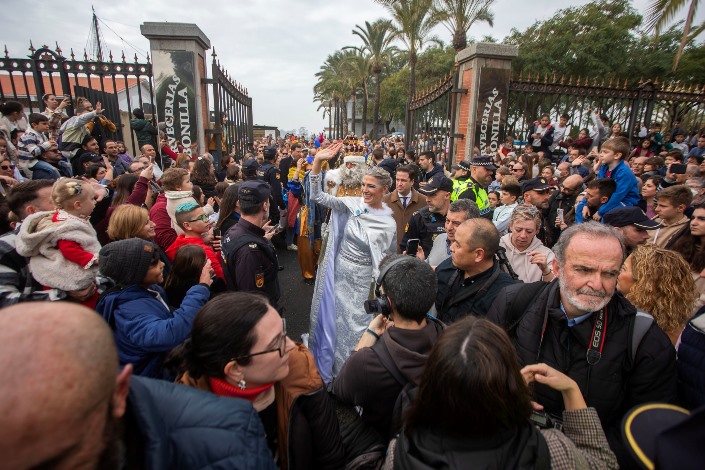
627,192
145,330
183,428
691,363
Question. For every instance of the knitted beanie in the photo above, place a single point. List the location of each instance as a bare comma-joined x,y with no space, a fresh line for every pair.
126,261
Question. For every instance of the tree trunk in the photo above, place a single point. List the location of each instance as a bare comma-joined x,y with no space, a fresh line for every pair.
375,117
460,40
330,121
344,106
686,33
336,119
354,114
364,108
412,73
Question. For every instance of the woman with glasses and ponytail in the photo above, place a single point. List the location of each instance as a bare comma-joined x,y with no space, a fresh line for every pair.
239,348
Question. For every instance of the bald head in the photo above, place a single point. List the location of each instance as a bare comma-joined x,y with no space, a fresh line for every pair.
58,369
573,181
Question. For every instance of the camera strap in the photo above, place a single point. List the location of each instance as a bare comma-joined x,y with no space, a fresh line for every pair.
597,341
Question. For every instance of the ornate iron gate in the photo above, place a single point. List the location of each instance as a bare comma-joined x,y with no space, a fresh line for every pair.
431,118
631,105
232,129
121,86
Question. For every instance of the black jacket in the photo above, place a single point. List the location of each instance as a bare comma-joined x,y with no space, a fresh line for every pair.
424,176
250,261
613,385
424,225
427,449
364,381
558,200
458,297
176,427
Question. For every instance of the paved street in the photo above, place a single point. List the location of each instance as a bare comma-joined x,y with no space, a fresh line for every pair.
296,295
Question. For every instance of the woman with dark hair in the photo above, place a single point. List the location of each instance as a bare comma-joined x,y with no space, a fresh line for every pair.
239,348
583,141
229,213
203,175
99,173
643,150
189,262
226,161
691,245
129,189
474,406
54,110
649,192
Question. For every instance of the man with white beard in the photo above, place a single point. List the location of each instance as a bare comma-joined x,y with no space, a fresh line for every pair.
580,325
347,179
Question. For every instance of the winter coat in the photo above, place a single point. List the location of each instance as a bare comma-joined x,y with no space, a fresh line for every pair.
521,262
365,382
144,131
38,239
580,445
691,363
627,192
181,428
43,170
615,383
307,428
145,329
401,214
666,235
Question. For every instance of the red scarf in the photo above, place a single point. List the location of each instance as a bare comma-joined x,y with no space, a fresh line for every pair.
223,389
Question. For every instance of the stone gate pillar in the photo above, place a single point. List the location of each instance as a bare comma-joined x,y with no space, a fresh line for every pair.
179,64
484,72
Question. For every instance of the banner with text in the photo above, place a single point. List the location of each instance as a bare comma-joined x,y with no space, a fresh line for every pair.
174,79
491,118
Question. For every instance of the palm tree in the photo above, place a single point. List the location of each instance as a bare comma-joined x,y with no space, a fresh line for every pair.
661,12
377,46
358,70
414,20
334,85
458,16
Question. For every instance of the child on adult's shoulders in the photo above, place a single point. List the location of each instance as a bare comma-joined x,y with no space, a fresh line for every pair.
611,165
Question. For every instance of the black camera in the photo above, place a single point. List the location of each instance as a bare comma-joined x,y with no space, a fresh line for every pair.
544,421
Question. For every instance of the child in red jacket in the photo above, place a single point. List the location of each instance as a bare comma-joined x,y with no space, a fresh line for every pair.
191,218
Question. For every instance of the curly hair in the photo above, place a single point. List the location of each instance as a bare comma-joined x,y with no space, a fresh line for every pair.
663,286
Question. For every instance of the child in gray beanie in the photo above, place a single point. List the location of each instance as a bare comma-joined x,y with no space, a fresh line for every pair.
137,309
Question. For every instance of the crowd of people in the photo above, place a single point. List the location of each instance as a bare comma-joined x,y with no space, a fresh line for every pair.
519,309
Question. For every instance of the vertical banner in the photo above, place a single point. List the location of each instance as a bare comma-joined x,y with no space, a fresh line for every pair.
492,102
174,80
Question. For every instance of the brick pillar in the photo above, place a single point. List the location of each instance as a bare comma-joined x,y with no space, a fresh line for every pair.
484,71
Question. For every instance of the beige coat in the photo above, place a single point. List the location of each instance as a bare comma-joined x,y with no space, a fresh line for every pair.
662,236
402,215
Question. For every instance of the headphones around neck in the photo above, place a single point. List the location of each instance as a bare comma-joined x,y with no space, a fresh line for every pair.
381,303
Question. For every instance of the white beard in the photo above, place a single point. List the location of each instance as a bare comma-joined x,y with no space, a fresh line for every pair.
352,176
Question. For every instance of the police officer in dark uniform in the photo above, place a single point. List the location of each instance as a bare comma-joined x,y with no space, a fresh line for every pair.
250,260
269,173
426,223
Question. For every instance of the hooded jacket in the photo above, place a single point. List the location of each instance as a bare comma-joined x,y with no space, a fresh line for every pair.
178,428
144,328
364,381
521,261
144,131
667,234
38,239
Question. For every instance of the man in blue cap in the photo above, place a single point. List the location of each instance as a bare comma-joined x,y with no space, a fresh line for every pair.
633,223
250,260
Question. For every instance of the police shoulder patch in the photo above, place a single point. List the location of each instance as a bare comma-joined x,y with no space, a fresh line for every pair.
406,229
259,280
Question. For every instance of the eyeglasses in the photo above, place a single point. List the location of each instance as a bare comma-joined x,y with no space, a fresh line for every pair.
281,347
517,169
6,167
202,218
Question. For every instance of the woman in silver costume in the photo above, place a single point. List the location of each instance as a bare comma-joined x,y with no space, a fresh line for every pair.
362,232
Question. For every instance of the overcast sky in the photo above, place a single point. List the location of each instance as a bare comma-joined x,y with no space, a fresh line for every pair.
272,47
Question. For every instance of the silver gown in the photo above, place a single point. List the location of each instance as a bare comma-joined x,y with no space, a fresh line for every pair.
359,238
